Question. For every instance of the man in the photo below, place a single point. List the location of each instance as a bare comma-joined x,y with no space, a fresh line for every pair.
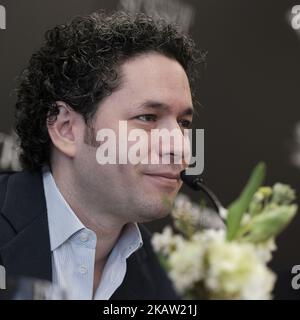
66,218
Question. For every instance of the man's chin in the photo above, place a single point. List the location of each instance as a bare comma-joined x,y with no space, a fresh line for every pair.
156,212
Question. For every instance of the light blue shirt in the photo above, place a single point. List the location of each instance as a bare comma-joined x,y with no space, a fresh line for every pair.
73,249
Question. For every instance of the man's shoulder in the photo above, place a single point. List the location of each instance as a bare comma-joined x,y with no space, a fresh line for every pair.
21,199
15,178
4,177
6,232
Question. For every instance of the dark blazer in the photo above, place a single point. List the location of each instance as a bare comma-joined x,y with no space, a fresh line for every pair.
25,244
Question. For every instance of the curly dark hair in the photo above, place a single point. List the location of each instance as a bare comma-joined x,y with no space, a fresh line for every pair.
79,65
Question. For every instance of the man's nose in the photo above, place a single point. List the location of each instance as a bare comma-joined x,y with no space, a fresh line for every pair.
176,146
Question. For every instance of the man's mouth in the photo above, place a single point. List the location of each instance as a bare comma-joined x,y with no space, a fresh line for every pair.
165,179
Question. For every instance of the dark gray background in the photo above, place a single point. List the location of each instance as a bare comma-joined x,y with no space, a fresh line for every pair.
249,92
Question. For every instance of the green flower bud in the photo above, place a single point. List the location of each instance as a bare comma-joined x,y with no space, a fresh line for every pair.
269,223
283,194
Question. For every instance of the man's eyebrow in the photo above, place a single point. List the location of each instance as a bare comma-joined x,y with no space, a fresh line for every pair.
156,105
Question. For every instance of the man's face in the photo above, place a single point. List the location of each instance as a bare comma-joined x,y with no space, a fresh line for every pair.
154,94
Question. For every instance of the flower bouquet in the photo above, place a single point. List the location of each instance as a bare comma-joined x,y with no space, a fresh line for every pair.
228,261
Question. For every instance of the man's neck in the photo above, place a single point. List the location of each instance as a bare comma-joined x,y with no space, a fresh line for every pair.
106,226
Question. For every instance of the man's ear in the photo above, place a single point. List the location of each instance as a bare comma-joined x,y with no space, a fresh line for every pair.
62,130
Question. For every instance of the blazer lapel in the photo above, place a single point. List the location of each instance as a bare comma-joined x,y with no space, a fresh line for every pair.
137,284
28,253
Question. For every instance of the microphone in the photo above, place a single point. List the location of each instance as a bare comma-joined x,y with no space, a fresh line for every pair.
196,183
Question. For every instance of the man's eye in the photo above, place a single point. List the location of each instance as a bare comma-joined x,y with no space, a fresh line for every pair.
185,124
147,117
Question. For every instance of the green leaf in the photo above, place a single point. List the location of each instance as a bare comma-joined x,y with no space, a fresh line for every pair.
270,223
241,204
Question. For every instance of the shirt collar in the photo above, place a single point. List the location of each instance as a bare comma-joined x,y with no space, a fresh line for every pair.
130,240
63,222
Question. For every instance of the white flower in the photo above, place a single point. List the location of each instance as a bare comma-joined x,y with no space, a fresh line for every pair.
202,263
259,285
185,210
205,237
209,219
166,241
187,262
264,250
235,272
186,266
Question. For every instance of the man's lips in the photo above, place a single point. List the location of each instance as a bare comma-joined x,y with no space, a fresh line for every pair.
169,180
167,175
